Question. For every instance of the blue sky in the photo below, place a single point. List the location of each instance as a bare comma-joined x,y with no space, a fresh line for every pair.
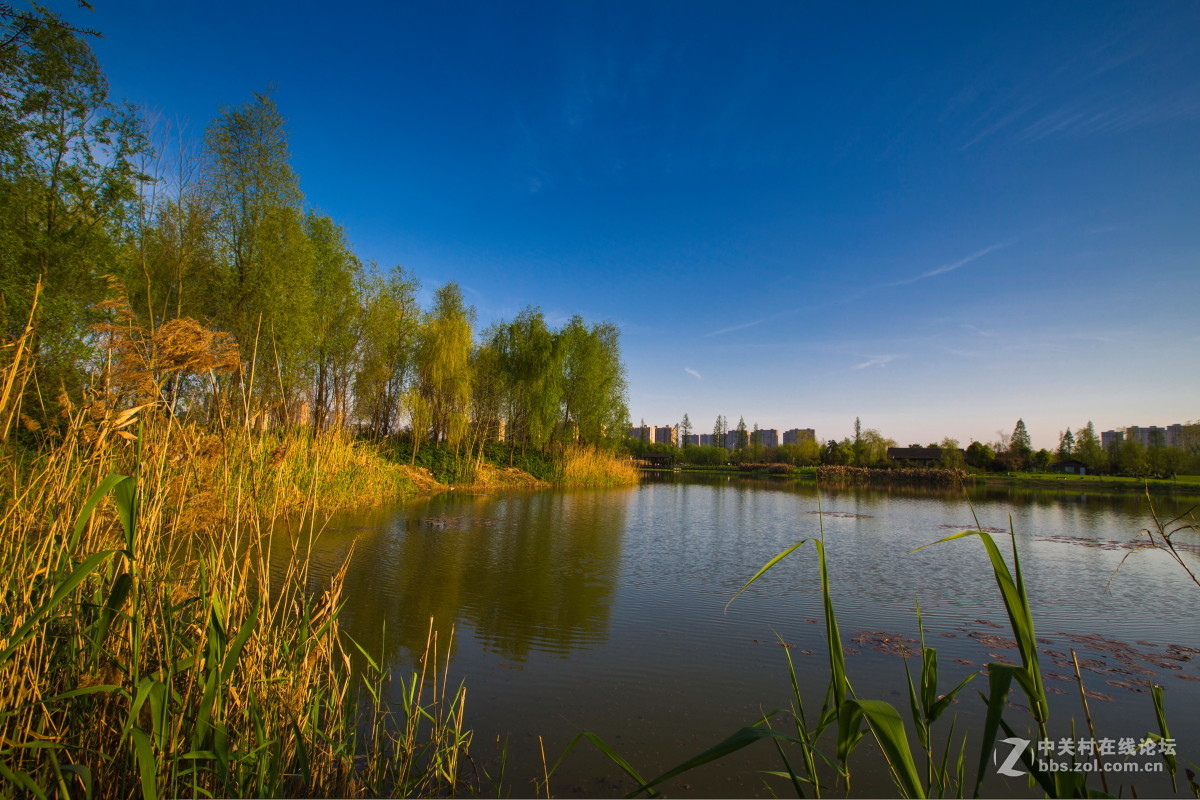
936,217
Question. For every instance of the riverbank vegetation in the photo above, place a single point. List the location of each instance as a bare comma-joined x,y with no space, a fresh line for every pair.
196,273
195,369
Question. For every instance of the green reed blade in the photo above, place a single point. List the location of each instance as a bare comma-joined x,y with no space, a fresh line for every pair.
23,780
741,738
1160,714
81,573
889,732
117,595
764,569
126,498
89,505
613,756
147,766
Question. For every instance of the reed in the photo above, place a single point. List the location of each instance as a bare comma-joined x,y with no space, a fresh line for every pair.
146,647
589,466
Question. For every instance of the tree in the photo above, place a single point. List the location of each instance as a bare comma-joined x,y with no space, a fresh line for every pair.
859,459
594,407
68,183
1089,450
265,260
685,430
443,366
952,455
980,456
743,436
1066,445
336,276
387,330
531,359
1020,448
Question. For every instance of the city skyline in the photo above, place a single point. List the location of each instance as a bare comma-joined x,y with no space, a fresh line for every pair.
868,211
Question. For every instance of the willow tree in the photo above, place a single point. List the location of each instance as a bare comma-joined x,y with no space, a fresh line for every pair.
530,358
265,260
594,408
443,366
387,334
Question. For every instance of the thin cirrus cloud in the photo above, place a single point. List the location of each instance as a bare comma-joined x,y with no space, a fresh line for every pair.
942,270
692,372
875,361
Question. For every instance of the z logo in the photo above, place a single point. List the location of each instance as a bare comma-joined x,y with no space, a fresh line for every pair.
1019,746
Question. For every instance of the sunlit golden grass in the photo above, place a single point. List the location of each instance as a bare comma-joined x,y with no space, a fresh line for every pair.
146,648
589,466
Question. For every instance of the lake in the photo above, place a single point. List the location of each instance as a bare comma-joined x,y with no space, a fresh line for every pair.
605,611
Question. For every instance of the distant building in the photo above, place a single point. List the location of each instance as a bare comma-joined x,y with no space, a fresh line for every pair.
666,434
919,455
692,439
798,435
768,437
1150,436
705,439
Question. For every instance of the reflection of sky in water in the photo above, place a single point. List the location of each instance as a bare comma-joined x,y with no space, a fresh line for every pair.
604,610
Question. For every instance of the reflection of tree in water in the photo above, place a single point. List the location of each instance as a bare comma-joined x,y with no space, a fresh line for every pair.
518,572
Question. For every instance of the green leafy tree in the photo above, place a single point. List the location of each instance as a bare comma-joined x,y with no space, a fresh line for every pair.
594,408
335,280
980,456
1089,450
266,262
685,430
531,359
68,183
443,366
952,455
387,331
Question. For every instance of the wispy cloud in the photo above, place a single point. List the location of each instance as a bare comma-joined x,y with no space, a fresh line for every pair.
692,372
942,270
875,361
739,327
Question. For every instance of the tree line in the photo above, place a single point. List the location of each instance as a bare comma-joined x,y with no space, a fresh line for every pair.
128,244
1008,453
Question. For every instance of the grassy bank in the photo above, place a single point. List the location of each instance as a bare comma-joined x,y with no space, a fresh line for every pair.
499,465
146,650
1185,484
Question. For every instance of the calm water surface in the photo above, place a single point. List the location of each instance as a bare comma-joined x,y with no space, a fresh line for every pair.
604,611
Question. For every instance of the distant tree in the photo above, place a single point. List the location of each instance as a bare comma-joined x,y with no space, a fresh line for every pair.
685,430
1066,445
1089,450
837,453
1040,460
952,455
980,456
1133,457
743,435
859,459
1020,448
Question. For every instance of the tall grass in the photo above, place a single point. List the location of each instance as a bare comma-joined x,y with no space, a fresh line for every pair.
146,649
590,466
